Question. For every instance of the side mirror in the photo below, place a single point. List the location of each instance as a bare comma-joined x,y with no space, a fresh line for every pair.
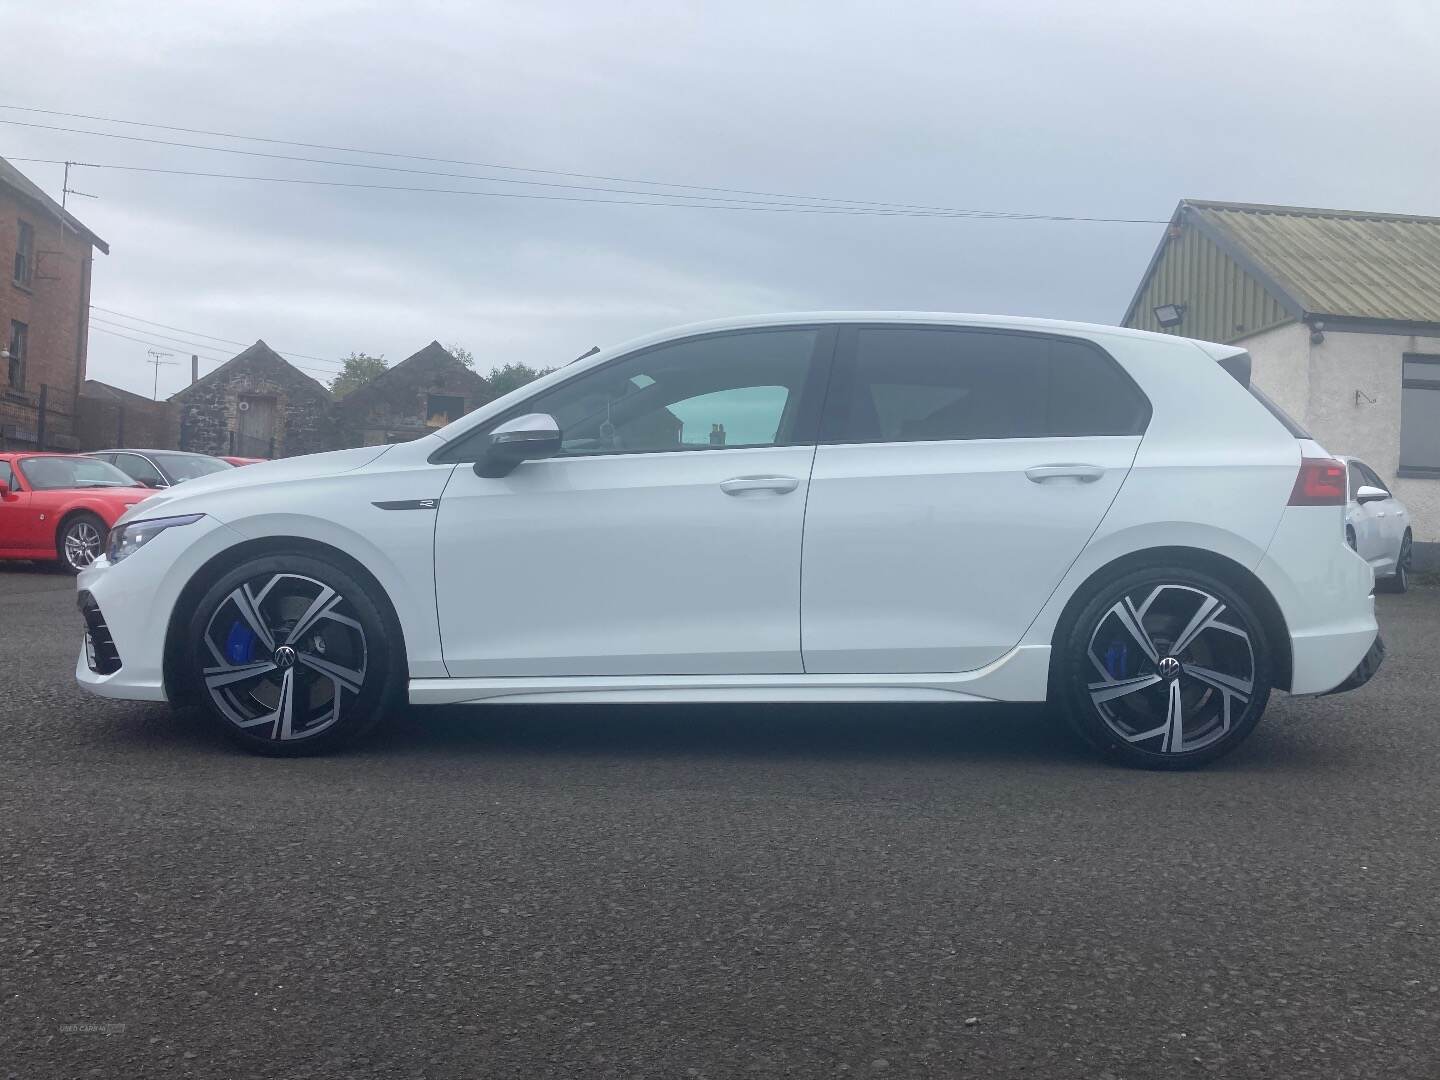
1368,493
4,490
526,438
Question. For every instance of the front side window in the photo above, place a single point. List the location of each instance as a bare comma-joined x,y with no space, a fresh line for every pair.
138,468
25,255
19,345
1355,476
188,467
727,390
52,473
1420,416
1373,478
923,384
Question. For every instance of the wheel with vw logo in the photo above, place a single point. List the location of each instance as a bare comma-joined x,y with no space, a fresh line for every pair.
1165,668
294,654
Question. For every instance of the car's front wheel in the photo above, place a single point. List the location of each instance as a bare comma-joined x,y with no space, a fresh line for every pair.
292,654
80,541
1165,668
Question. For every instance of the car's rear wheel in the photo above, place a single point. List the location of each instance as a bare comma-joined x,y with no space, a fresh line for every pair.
80,542
1165,668
1399,581
292,654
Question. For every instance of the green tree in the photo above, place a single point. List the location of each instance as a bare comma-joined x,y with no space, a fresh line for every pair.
459,352
357,370
504,379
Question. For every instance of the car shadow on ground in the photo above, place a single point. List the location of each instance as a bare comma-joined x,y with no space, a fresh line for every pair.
1000,733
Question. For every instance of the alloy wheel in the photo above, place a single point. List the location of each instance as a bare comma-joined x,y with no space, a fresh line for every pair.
1176,668
289,656
81,544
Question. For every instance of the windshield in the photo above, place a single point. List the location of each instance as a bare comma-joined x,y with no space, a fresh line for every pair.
51,473
186,466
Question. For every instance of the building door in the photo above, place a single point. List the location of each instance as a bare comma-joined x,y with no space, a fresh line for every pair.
255,429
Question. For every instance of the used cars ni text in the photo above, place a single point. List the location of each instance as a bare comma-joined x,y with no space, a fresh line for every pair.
813,507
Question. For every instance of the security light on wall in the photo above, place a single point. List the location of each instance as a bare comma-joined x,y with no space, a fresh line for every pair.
1168,315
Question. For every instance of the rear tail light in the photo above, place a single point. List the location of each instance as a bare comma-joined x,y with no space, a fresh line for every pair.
1321,483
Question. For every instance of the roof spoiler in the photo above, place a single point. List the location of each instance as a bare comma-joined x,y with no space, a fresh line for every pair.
1238,366
1234,360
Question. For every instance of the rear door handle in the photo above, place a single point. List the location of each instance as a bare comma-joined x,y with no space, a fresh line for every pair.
743,485
1085,474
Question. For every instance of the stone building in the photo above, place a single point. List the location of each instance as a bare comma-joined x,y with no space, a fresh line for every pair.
47,254
421,393
256,404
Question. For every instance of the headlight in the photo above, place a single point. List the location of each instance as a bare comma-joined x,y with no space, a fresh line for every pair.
129,538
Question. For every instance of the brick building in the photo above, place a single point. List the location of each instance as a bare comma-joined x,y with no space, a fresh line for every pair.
256,404
421,393
46,253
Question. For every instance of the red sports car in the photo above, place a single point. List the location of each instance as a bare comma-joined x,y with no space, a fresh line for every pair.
60,506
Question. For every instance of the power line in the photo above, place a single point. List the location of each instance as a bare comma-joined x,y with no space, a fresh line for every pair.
464,176
851,212
143,341
212,337
212,359
486,165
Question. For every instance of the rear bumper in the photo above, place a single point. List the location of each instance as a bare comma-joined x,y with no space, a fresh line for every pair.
1326,596
1369,665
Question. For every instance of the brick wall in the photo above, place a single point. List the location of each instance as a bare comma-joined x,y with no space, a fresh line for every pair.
54,306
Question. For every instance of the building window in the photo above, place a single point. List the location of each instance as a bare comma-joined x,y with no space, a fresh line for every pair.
25,255
1420,416
440,409
19,340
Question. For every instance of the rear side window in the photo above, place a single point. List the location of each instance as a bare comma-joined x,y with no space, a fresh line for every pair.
922,384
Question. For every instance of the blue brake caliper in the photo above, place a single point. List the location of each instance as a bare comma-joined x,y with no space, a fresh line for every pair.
1115,657
240,644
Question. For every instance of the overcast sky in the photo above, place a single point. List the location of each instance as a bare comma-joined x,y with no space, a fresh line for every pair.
1110,109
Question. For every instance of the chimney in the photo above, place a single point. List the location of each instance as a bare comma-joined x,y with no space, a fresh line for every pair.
194,368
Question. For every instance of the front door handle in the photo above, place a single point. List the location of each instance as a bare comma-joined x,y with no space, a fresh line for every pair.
743,485
1085,474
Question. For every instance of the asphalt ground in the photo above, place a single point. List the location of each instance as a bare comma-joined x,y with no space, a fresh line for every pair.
714,892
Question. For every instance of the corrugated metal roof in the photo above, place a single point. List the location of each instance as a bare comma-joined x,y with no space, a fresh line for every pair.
21,184
1342,263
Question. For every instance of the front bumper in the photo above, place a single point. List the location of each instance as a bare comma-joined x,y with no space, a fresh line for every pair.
1369,665
127,609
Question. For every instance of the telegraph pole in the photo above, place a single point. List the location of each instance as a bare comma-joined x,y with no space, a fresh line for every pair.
157,358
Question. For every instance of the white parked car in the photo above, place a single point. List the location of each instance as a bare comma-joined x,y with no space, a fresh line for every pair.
1377,525
815,507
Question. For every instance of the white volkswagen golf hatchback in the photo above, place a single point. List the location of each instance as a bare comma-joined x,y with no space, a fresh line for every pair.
815,507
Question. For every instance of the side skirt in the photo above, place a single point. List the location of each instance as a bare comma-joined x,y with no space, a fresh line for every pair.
1020,675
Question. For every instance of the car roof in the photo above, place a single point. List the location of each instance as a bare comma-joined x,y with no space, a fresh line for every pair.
146,450
956,318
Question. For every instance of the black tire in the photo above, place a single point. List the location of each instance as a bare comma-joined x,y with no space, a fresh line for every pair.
1132,722
1399,581
80,539
348,652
